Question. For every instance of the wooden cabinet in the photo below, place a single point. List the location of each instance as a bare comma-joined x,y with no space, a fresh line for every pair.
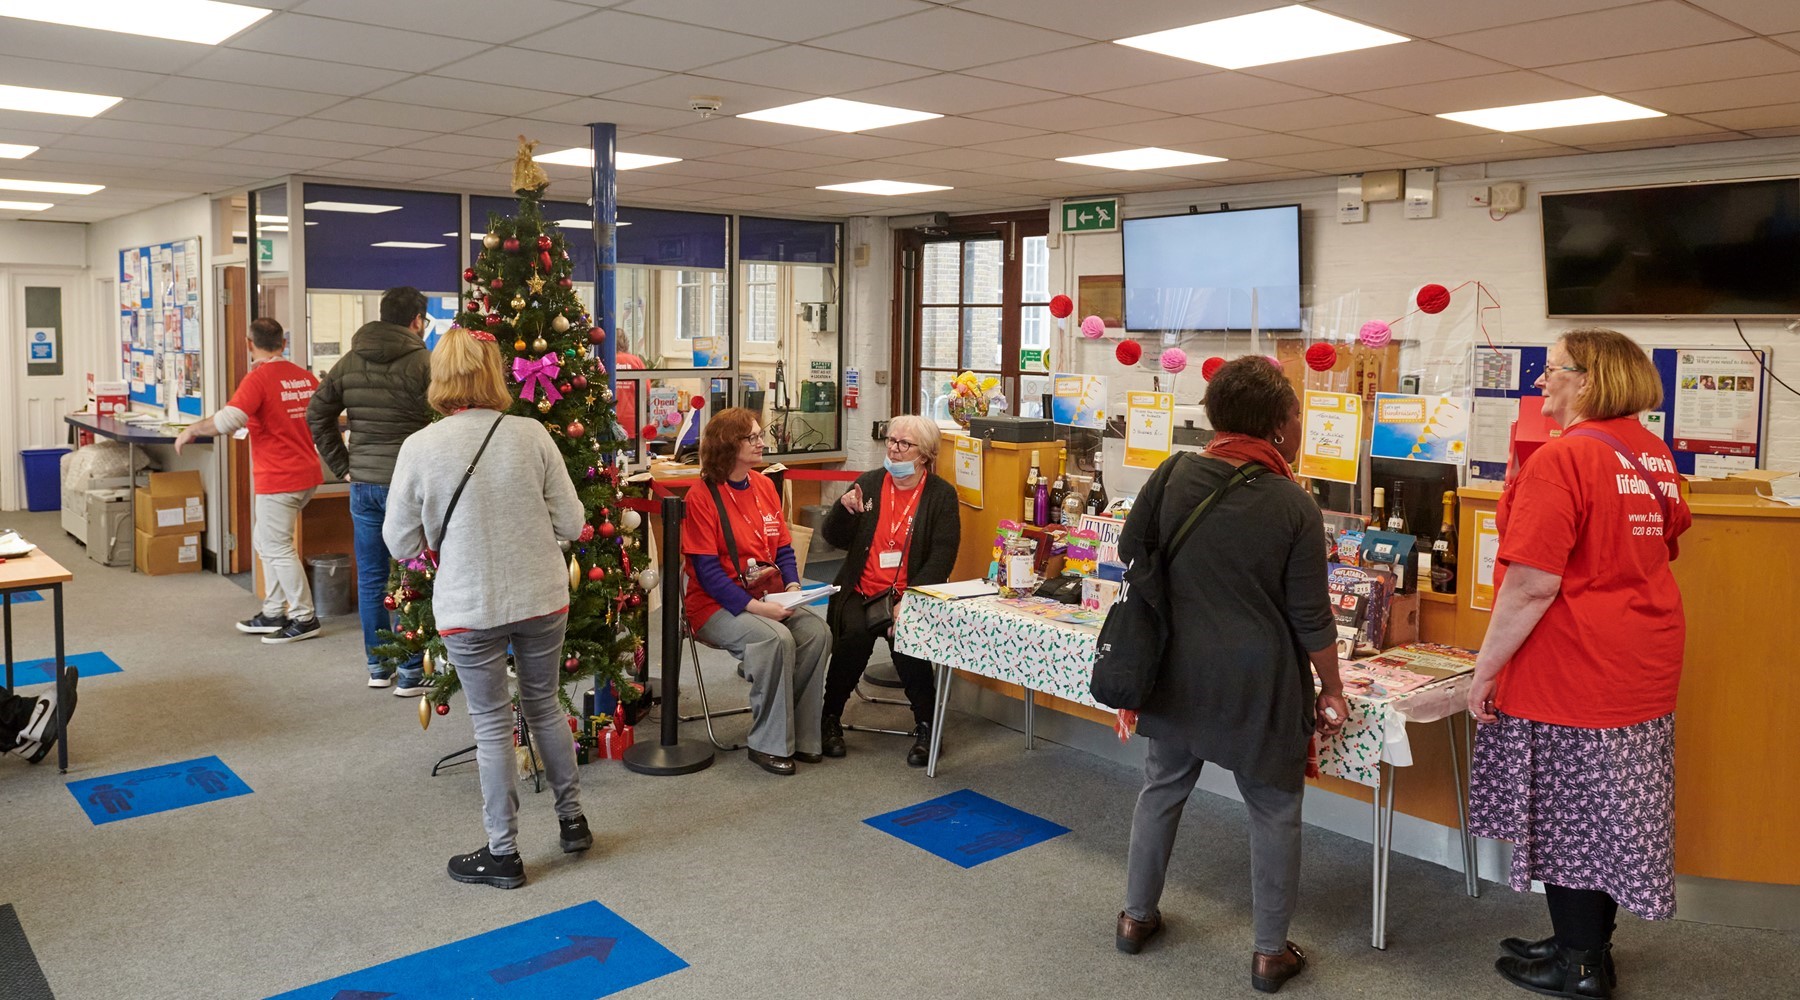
1004,466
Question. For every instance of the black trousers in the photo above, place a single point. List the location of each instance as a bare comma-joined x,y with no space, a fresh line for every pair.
851,645
1582,918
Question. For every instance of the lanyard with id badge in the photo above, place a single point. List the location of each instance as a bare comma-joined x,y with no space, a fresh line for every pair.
878,611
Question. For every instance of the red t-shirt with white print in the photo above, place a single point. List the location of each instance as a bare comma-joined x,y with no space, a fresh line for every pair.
756,526
274,397
1607,652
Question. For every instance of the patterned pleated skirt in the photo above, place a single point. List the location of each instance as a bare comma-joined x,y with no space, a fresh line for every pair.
1583,808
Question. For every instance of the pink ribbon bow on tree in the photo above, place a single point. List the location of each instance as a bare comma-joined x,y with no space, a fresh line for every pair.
533,372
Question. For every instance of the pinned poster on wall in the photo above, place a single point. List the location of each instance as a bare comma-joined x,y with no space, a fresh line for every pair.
1421,428
160,344
1149,428
1079,400
1331,447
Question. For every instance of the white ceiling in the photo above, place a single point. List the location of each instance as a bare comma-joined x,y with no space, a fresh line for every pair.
417,92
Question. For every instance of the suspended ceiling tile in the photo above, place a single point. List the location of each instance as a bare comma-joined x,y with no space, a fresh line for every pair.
1382,66
1765,17
86,47
283,162
957,159
1320,112
443,161
1263,146
20,123
645,41
778,159
791,20
861,146
1343,161
405,116
1092,69
744,132
1212,92
484,182
1742,57
703,169
199,138
1068,114
355,44
1493,144
472,145
952,94
520,17
955,130
1663,143
807,180
1035,170
467,95
1431,20
949,38
299,146
1053,188
514,67
1413,128
1119,20
1772,116
550,135
212,94
163,113
674,91
372,135
1499,90
364,170
1170,133
664,144
1049,147
292,72
768,203
1647,128
728,186
145,149
1720,95
1665,24
80,77
806,69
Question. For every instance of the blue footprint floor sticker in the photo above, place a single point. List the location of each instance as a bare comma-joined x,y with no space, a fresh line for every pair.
114,797
966,828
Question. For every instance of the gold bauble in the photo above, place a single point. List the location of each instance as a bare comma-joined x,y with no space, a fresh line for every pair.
544,405
560,324
406,609
519,346
424,713
518,303
540,345
430,668
491,240
574,573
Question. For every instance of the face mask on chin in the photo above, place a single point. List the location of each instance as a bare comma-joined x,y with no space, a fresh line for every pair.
899,470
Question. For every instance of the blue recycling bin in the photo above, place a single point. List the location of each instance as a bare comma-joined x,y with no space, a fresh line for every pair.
43,477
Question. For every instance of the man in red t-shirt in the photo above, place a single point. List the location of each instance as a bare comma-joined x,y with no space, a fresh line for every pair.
271,405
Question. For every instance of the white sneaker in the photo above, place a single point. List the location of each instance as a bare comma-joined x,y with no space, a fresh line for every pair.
381,682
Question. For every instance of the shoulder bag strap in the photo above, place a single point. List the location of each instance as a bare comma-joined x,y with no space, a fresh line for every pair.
1656,493
445,528
737,569
1244,473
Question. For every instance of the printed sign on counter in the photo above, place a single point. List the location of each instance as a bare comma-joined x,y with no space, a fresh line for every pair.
1149,428
1421,428
967,453
1487,552
1332,445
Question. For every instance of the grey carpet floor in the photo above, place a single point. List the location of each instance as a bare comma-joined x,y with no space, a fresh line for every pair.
767,887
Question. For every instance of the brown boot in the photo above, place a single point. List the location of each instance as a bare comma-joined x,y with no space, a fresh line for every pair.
1268,972
1133,934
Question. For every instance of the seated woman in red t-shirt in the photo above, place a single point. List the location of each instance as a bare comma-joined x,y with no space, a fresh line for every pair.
738,550
1575,685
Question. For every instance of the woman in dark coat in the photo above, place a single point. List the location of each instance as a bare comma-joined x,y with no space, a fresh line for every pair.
900,527
1251,614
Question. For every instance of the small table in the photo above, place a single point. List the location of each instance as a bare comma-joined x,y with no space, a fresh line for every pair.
132,435
983,636
37,571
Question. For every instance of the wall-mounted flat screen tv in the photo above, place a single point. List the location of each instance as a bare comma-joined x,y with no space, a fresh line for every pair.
1727,249
1203,271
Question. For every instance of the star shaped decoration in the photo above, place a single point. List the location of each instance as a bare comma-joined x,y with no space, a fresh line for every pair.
535,283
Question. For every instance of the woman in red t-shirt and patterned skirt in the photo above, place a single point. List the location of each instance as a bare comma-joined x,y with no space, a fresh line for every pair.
1575,684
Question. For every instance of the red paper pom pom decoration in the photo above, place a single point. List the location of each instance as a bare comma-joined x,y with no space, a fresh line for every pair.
1128,352
697,403
1061,306
1173,361
1093,327
1210,367
1321,357
1432,299
1375,333
648,430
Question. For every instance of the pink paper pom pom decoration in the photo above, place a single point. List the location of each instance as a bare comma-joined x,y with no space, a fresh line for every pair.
1173,360
1375,333
1093,327
1321,357
1432,299
672,418
1272,359
1210,367
1061,306
1129,352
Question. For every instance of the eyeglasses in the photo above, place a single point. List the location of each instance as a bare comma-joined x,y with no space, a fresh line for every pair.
1562,368
901,444
750,439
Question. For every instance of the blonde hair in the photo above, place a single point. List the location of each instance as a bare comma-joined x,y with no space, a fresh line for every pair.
465,373
1621,379
923,432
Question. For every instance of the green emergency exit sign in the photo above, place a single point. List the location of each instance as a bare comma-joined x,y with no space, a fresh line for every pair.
1100,215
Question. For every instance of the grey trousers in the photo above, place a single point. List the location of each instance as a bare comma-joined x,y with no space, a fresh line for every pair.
286,593
480,660
785,662
1169,775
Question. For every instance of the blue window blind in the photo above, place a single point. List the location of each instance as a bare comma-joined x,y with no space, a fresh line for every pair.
789,241
340,242
659,238
578,238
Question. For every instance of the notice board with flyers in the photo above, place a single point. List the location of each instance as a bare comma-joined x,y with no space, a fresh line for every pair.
159,324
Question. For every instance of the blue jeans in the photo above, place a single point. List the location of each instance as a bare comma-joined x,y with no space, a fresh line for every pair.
368,508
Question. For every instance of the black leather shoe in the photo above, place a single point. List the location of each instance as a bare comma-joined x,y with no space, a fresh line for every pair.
771,763
1132,934
834,736
1546,948
1566,973
920,753
808,758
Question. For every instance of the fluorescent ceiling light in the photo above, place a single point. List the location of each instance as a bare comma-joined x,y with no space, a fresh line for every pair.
837,115
203,21
1553,114
54,102
25,206
1148,158
404,245
582,156
14,151
574,223
272,218
350,206
1269,36
883,187
271,229
50,187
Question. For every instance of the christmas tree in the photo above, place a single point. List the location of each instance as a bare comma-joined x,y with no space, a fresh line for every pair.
521,289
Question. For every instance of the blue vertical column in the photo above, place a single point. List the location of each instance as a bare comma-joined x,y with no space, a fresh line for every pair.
605,139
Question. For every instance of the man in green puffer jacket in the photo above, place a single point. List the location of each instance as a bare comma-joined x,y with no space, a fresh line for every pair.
381,383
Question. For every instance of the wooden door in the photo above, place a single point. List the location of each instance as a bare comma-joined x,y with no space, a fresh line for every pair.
234,302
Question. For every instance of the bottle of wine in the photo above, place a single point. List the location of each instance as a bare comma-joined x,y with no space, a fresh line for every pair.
1058,490
1029,510
1378,511
1396,521
1096,498
1443,551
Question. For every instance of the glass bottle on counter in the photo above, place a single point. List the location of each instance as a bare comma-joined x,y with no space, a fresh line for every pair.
1096,498
1040,505
1029,508
1378,511
1396,520
1443,551
1058,490
1071,510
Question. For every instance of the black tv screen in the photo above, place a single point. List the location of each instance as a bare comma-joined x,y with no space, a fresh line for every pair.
1689,250
1202,271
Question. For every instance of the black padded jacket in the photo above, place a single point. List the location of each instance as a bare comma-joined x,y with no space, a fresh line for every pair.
381,383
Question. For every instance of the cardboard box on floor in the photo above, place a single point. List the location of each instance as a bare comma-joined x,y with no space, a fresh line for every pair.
162,555
173,504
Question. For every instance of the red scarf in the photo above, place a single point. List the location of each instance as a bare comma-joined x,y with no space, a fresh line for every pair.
1247,448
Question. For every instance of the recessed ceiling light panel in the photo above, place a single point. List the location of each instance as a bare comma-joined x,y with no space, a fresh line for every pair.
50,187
24,206
1269,36
350,206
54,102
582,156
14,151
406,245
837,115
1553,114
1148,158
203,21
883,187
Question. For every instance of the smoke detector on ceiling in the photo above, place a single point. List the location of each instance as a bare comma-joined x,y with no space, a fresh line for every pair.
705,106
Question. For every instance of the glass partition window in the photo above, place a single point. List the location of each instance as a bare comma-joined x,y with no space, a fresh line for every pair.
1034,294
273,253
790,348
673,287
962,288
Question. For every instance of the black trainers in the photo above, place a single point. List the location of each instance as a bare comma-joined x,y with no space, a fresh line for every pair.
261,624
832,742
575,835
294,631
412,687
42,731
484,867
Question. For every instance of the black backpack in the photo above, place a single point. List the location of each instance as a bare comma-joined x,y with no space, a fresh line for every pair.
1135,635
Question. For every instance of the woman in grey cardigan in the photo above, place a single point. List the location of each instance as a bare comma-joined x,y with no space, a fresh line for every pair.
500,581
1250,610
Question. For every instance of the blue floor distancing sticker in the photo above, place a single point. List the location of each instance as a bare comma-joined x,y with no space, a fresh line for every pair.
114,797
28,672
581,953
27,597
966,828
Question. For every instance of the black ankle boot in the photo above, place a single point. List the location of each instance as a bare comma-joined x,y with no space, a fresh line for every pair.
833,743
1546,948
920,753
1565,973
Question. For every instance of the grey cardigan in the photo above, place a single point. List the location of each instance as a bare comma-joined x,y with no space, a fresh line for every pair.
499,561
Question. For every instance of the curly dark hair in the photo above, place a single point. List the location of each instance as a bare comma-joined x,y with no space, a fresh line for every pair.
1249,395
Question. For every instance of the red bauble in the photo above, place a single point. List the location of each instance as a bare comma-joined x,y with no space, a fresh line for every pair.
511,245
1128,352
577,429
596,574
469,274
1061,306
587,530
1210,367
1321,357
634,600
410,636
544,259
565,282
390,602
442,709
410,593
543,242
497,284
596,336
572,664
607,530
697,403
1432,298
564,388
492,320
579,381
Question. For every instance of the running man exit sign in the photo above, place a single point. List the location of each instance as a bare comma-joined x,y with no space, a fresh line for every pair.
1099,215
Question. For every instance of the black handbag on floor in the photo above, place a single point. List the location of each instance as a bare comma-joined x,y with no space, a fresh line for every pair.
1135,635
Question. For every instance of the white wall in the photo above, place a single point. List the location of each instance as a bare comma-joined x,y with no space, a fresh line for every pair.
56,244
